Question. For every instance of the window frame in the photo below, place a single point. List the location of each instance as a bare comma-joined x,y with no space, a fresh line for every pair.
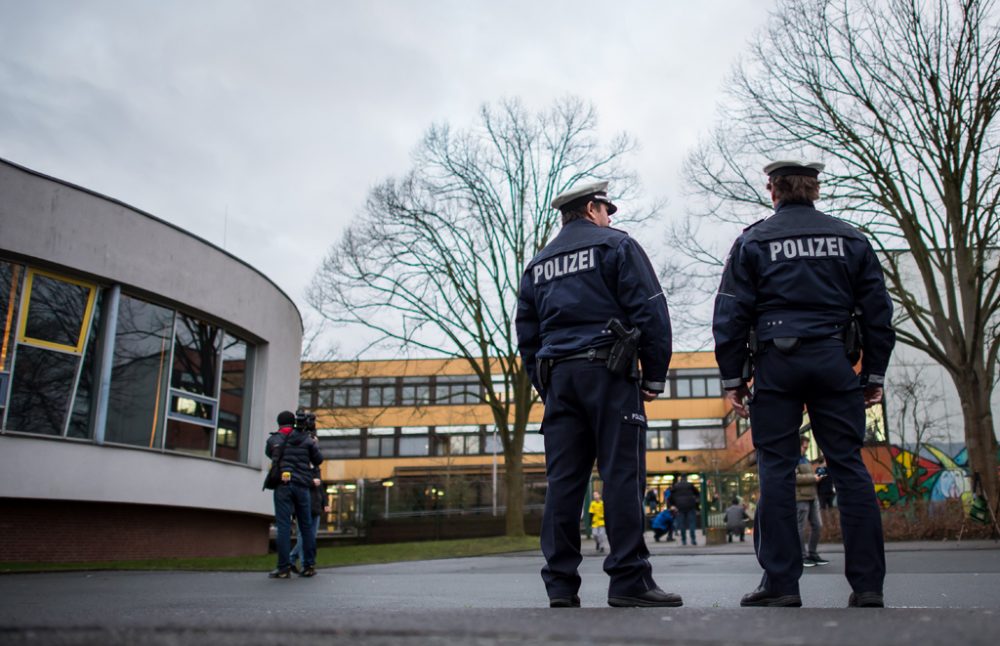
25,310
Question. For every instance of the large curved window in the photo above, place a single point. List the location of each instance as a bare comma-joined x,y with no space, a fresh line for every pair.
140,367
10,284
78,360
194,405
55,324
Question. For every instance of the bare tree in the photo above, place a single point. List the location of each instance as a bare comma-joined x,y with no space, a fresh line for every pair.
435,261
900,98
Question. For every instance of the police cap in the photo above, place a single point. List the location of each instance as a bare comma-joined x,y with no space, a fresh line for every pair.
785,167
594,191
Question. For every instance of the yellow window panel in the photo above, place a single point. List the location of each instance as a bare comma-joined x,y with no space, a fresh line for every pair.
24,335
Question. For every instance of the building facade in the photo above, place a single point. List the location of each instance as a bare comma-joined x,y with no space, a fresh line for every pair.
411,437
141,369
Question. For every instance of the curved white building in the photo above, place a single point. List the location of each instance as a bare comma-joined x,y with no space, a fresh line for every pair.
141,369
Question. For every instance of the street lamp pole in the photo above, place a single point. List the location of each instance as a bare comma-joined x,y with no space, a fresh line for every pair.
494,470
387,484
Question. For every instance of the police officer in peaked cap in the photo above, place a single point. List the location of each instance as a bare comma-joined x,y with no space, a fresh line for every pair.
586,293
808,285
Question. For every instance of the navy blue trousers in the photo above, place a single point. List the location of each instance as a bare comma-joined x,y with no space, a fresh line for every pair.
591,414
294,499
819,376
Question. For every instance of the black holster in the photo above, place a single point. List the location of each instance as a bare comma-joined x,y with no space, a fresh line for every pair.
852,337
623,355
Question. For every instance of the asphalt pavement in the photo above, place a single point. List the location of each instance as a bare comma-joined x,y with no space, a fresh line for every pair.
939,593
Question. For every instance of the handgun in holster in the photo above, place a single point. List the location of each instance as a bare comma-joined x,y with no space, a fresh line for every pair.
852,337
624,353
747,372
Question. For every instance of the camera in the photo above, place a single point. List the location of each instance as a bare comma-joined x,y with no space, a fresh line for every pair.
305,421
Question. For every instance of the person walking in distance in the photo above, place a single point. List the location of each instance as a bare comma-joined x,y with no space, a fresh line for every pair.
597,522
803,295
807,508
685,497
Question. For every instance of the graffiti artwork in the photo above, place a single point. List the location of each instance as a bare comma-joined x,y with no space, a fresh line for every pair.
933,475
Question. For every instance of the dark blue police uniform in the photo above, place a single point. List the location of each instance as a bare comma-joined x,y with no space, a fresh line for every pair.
587,275
800,274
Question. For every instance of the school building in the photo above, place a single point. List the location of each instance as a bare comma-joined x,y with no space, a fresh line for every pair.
407,438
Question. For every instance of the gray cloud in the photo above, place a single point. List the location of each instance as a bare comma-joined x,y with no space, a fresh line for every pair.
283,115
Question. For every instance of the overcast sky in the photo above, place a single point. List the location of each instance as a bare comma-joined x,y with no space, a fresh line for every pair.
261,125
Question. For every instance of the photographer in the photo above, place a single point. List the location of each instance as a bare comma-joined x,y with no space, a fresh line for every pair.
297,454
316,500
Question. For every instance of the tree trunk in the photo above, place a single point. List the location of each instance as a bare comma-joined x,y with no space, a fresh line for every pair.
980,440
513,479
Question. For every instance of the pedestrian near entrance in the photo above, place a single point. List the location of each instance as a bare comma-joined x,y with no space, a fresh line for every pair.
736,521
796,290
824,487
597,522
589,306
807,508
664,524
685,497
652,501
296,453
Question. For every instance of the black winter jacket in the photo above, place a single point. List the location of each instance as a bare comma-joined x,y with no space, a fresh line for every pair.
301,455
684,496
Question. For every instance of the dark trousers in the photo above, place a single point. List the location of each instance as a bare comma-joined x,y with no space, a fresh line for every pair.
668,530
686,521
592,414
289,499
819,376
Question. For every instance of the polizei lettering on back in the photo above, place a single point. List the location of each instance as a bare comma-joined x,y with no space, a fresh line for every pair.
818,247
565,265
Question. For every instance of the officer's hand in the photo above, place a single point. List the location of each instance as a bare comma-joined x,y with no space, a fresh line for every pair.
649,395
873,395
736,397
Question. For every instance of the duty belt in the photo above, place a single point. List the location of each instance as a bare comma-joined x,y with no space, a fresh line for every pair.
593,354
839,336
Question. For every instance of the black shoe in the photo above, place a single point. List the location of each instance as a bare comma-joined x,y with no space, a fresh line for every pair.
866,600
762,598
817,559
294,568
656,538
279,574
808,562
564,602
655,598
308,571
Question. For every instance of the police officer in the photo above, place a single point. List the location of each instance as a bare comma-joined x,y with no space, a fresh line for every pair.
587,276
805,281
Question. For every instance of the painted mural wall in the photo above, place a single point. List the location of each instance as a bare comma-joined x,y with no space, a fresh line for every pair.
936,473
